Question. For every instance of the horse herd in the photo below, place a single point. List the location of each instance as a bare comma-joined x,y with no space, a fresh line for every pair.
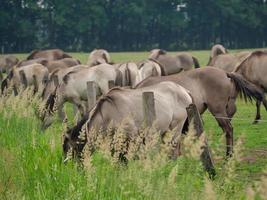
176,81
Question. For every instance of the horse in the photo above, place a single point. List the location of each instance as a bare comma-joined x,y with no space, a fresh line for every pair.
130,73
60,64
40,72
174,64
216,50
7,62
226,62
215,90
98,56
50,85
254,69
22,63
149,68
219,57
49,54
59,73
74,89
171,101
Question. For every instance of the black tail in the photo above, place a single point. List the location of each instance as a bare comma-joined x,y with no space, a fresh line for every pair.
196,63
4,84
247,90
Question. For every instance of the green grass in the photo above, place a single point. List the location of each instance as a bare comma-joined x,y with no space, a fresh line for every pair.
31,161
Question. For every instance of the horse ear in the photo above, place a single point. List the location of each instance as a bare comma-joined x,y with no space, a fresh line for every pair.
155,72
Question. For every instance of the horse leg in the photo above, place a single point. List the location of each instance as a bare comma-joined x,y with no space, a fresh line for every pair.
223,114
231,108
225,124
258,114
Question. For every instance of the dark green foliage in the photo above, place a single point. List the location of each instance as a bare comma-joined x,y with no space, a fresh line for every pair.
124,25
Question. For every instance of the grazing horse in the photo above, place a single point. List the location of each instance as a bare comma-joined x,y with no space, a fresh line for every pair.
50,85
97,57
216,50
14,78
174,64
22,63
254,69
149,68
215,90
171,101
7,62
220,58
226,62
74,88
130,73
50,54
60,64
59,73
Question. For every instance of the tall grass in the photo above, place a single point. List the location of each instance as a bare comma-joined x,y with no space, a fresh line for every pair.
31,161
32,168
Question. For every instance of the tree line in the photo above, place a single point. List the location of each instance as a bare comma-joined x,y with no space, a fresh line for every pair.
131,25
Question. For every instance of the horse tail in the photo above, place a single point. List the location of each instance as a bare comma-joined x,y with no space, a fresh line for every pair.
196,63
118,78
78,61
4,84
247,90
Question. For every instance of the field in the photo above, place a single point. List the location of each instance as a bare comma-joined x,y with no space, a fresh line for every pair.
32,168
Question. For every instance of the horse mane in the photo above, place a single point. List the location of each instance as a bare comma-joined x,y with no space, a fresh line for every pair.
74,132
51,100
249,56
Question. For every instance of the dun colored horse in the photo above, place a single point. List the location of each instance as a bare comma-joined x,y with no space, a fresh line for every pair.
118,104
254,69
215,90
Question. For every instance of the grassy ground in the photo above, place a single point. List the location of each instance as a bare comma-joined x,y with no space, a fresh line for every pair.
31,160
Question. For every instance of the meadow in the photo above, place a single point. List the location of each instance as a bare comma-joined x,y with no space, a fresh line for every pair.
31,164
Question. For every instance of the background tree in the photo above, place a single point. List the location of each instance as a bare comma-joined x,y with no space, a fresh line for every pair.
130,25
